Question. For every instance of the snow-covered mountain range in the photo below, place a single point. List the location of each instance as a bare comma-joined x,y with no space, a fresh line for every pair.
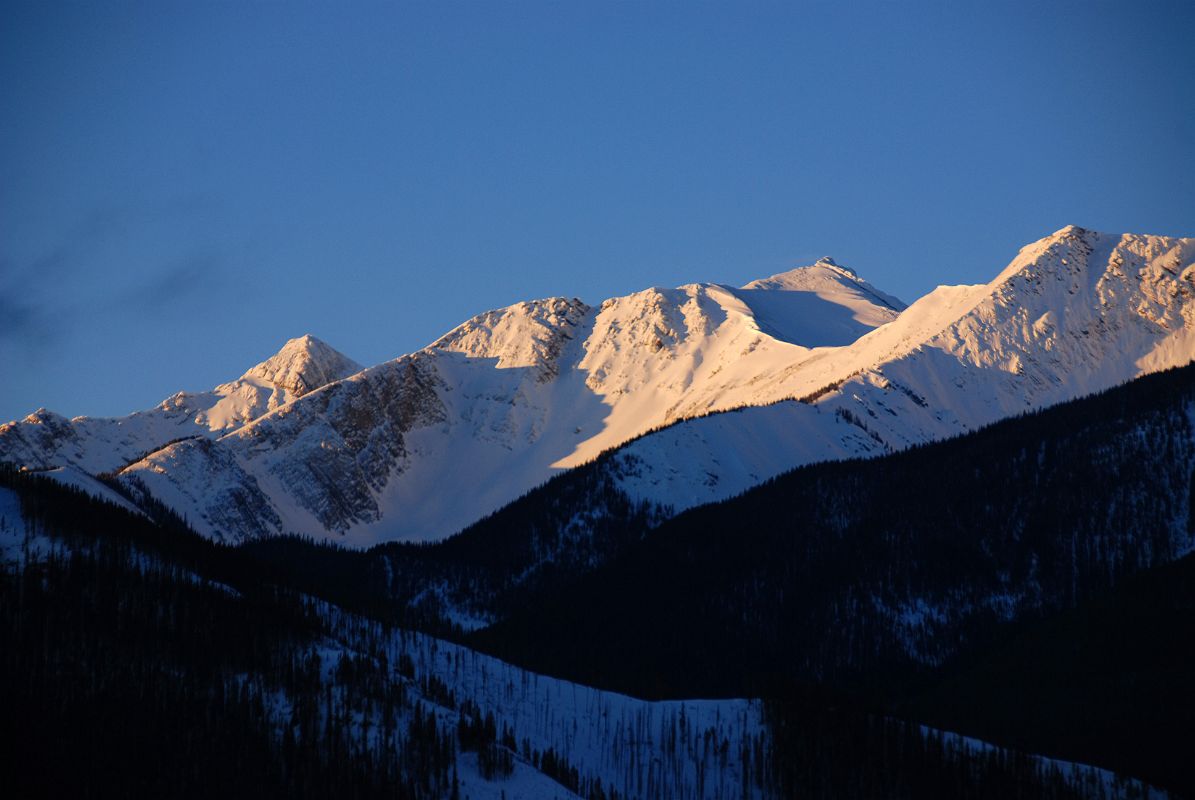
815,363
107,444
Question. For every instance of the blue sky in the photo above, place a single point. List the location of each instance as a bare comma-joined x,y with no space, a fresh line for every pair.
185,186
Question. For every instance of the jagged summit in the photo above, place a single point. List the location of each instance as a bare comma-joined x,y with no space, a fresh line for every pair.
43,415
821,274
527,334
827,261
303,364
825,277
1082,260
100,444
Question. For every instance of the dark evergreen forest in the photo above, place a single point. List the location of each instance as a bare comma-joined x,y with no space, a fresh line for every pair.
870,581
941,574
138,660
1024,584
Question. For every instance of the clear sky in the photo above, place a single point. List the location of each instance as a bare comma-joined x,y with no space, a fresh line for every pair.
183,187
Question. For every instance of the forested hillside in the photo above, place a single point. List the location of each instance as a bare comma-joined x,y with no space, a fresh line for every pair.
1108,682
872,571
935,547
532,547
932,585
874,580
137,659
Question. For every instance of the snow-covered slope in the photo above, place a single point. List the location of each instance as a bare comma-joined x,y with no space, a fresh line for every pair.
1074,313
370,683
100,444
418,447
820,364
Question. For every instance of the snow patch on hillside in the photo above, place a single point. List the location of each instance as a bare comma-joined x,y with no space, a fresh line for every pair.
76,478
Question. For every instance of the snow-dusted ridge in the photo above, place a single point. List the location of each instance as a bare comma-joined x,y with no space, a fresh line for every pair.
1074,313
100,444
419,447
